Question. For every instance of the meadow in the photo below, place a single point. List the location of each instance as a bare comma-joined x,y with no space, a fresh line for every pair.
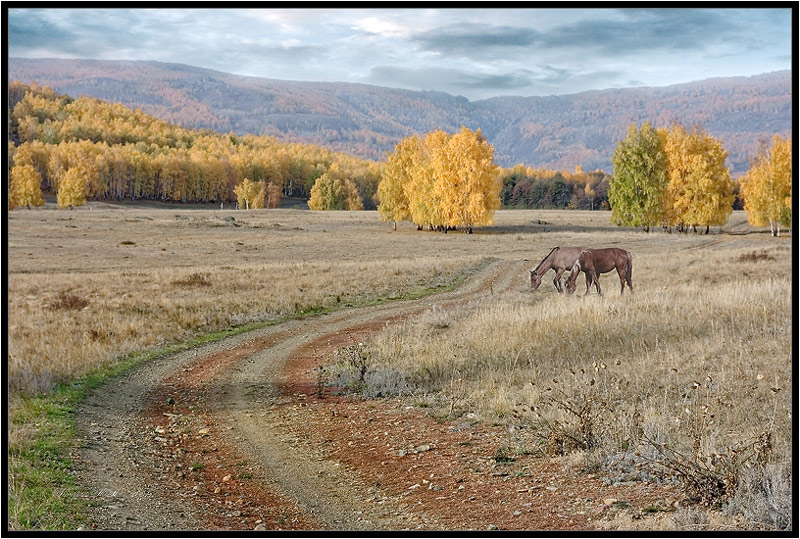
695,365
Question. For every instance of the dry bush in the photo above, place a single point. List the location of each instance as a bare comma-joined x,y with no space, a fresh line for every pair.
764,497
690,519
755,256
195,279
67,302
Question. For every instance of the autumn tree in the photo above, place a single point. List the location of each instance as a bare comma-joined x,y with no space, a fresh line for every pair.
443,181
334,191
700,188
26,187
250,194
640,176
467,180
424,204
72,189
396,175
767,187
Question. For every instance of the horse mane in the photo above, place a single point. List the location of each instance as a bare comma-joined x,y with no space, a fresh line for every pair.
545,258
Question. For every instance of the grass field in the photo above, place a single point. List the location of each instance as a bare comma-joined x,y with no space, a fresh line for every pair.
707,332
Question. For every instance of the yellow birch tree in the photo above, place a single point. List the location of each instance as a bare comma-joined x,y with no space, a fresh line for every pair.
767,187
467,180
334,191
26,187
394,203
700,188
72,189
250,194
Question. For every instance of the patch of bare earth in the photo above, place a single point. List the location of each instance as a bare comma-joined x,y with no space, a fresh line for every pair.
238,435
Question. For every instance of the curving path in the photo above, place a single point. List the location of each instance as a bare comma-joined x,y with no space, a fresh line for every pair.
196,440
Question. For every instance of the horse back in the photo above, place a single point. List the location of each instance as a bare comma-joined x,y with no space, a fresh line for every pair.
565,257
604,260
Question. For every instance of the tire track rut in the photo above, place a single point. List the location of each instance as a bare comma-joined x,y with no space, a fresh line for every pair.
217,403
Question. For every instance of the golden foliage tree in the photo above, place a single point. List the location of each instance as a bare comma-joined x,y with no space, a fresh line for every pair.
424,204
467,181
26,187
396,175
72,189
334,191
700,188
250,194
767,187
442,181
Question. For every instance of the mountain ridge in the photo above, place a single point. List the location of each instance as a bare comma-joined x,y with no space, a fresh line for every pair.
556,132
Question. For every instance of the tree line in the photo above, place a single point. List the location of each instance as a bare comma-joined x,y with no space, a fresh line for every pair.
525,187
677,178
88,149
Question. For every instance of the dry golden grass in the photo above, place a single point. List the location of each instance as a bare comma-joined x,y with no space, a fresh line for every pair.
89,285
697,360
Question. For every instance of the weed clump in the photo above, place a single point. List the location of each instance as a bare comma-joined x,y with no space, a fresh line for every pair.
193,280
68,302
755,256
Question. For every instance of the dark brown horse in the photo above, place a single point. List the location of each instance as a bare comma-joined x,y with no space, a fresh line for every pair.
593,262
560,259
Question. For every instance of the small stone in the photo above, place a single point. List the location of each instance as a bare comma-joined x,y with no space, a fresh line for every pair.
260,527
517,513
609,501
226,478
492,527
170,400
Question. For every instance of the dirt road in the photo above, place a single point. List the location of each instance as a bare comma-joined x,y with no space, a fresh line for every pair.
235,435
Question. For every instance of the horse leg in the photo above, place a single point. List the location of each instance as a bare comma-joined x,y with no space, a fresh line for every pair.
588,281
596,282
557,280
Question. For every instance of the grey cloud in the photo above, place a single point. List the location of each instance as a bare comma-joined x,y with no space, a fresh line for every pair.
430,77
475,40
27,32
539,81
644,29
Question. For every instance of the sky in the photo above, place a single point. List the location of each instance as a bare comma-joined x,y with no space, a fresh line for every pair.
475,53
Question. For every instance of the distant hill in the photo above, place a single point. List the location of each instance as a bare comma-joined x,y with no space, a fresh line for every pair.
555,132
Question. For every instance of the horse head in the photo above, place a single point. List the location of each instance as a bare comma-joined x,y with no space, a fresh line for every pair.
572,281
536,280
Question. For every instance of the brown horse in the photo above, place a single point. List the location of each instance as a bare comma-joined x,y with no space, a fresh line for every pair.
560,259
593,262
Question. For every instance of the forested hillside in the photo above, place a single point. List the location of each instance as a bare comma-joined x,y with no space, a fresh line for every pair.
555,132
86,148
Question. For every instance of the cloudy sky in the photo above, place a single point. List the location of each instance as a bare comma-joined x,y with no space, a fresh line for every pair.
477,53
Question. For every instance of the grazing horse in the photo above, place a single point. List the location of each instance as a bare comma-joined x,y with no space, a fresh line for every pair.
593,262
560,259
